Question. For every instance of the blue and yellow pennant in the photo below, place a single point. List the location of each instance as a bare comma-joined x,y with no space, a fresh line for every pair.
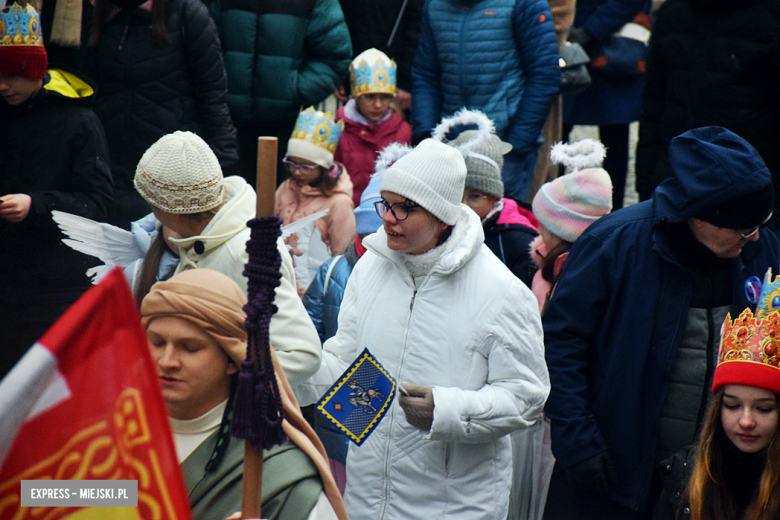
360,398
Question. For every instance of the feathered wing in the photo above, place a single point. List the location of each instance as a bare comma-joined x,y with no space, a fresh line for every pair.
289,229
113,245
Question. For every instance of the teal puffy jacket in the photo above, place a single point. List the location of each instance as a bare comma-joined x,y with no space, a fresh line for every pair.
280,55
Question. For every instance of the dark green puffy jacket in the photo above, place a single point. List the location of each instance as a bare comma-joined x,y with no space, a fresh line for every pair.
280,55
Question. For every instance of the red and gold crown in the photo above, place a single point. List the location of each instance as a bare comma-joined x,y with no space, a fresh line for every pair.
748,353
21,43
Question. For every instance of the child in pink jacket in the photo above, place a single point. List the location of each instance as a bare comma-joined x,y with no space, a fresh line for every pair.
316,182
565,207
370,122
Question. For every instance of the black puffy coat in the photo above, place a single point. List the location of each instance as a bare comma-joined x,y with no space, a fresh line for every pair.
52,148
371,24
675,473
146,91
712,62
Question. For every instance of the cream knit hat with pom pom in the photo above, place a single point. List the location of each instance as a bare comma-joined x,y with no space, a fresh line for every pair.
180,174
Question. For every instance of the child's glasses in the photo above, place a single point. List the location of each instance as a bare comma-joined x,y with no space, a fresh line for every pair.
292,166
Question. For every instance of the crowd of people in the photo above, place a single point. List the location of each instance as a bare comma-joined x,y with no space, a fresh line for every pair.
559,357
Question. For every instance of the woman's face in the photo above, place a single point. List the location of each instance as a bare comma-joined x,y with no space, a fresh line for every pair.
418,234
749,417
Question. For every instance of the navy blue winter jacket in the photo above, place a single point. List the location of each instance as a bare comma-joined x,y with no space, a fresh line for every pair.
496,56
614,325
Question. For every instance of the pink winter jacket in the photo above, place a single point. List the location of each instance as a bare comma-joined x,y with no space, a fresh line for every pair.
539,286
293,202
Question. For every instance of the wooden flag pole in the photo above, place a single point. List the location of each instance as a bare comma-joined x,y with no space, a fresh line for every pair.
266,175
251,499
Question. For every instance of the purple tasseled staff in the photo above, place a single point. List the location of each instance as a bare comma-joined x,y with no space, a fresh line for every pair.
257,414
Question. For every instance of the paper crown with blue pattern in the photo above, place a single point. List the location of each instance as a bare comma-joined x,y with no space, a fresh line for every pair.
315,137
372,72
21,43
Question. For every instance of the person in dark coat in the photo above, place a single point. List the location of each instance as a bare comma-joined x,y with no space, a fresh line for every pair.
632,327
496,56
712,62
53,156
158,66
390,26
612,101
288,55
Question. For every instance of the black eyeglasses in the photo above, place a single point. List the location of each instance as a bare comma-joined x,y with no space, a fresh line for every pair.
764,223
400,210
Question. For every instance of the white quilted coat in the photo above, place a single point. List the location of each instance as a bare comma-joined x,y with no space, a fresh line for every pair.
472,331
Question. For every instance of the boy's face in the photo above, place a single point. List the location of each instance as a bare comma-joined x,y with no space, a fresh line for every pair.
374,106
18,89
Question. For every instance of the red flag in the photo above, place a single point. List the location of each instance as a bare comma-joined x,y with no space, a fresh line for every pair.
85,404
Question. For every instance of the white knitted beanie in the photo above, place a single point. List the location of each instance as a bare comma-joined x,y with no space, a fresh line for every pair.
433,176
180,174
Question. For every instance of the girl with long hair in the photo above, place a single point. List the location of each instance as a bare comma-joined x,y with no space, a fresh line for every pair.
734,471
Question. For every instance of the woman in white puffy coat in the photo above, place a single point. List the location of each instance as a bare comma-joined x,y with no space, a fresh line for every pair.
458,330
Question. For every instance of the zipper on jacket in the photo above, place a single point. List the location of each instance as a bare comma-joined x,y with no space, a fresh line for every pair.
391,417
124,35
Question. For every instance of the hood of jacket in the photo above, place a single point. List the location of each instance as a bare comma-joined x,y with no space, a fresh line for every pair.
711,165
65,84
513,213
469,245
230,220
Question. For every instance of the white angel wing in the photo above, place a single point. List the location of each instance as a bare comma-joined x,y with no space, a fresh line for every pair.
315,253
289,229
111,244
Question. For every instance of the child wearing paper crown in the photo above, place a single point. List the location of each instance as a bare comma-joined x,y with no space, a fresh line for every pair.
317,182
565,207
53,155
734,470
370,121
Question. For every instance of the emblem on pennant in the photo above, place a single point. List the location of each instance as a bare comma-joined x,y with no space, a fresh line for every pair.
360,398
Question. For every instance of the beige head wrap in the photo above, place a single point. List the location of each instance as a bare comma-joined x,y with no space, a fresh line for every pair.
214,303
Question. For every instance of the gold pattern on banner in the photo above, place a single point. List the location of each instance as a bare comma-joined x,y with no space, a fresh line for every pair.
100,452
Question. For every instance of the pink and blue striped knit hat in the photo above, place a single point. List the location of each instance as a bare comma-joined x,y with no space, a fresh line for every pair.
569,204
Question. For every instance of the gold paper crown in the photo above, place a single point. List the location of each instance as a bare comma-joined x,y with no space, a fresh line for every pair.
318,128
372,72
20,26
